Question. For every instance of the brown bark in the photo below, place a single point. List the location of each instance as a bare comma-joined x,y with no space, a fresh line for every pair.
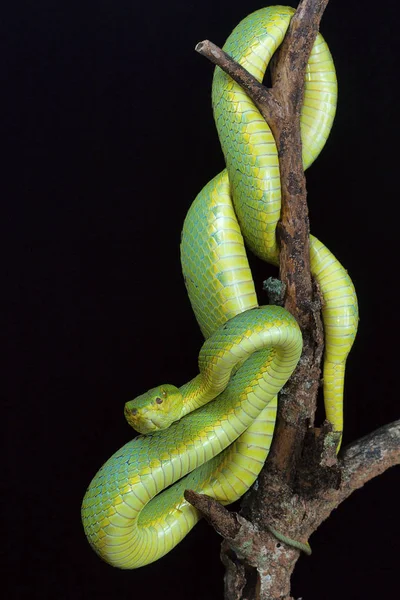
302,481
281,106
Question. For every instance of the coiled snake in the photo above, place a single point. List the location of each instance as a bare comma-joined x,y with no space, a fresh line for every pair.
134,511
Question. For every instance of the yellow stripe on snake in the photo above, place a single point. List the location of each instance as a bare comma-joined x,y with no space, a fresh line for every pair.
134,511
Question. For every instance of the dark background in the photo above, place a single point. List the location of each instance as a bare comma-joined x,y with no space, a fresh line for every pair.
108,135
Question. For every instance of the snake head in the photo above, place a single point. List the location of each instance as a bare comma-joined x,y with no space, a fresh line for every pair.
154,410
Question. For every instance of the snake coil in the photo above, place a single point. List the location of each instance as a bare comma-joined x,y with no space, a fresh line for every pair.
213,434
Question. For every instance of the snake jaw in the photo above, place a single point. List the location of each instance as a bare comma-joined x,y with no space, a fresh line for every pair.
145,420
154,410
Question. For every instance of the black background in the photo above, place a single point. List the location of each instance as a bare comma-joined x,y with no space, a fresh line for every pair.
108,136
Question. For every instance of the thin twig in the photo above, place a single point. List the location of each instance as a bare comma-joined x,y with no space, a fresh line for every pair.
223,521
261,96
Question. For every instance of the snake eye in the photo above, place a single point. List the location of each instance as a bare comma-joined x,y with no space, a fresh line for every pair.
159,400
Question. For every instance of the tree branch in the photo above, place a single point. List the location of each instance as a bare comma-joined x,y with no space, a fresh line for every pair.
224,522
302,481
369,457
360,462
253,553
280,107
261,96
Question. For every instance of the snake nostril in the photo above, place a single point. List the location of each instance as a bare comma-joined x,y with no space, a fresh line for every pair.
133,411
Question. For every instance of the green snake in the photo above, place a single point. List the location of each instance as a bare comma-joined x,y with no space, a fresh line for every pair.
213,434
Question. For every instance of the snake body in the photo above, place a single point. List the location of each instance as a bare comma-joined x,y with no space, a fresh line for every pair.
213,434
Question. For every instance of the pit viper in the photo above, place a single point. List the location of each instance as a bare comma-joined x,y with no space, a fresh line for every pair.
213,433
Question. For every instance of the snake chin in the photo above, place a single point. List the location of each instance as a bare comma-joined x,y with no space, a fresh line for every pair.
146,421
154,410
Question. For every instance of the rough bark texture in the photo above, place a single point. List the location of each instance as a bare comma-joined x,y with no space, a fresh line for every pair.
302,479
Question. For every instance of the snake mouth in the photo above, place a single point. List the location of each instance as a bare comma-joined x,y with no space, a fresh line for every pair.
152,423
142,422
147,425
154,426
